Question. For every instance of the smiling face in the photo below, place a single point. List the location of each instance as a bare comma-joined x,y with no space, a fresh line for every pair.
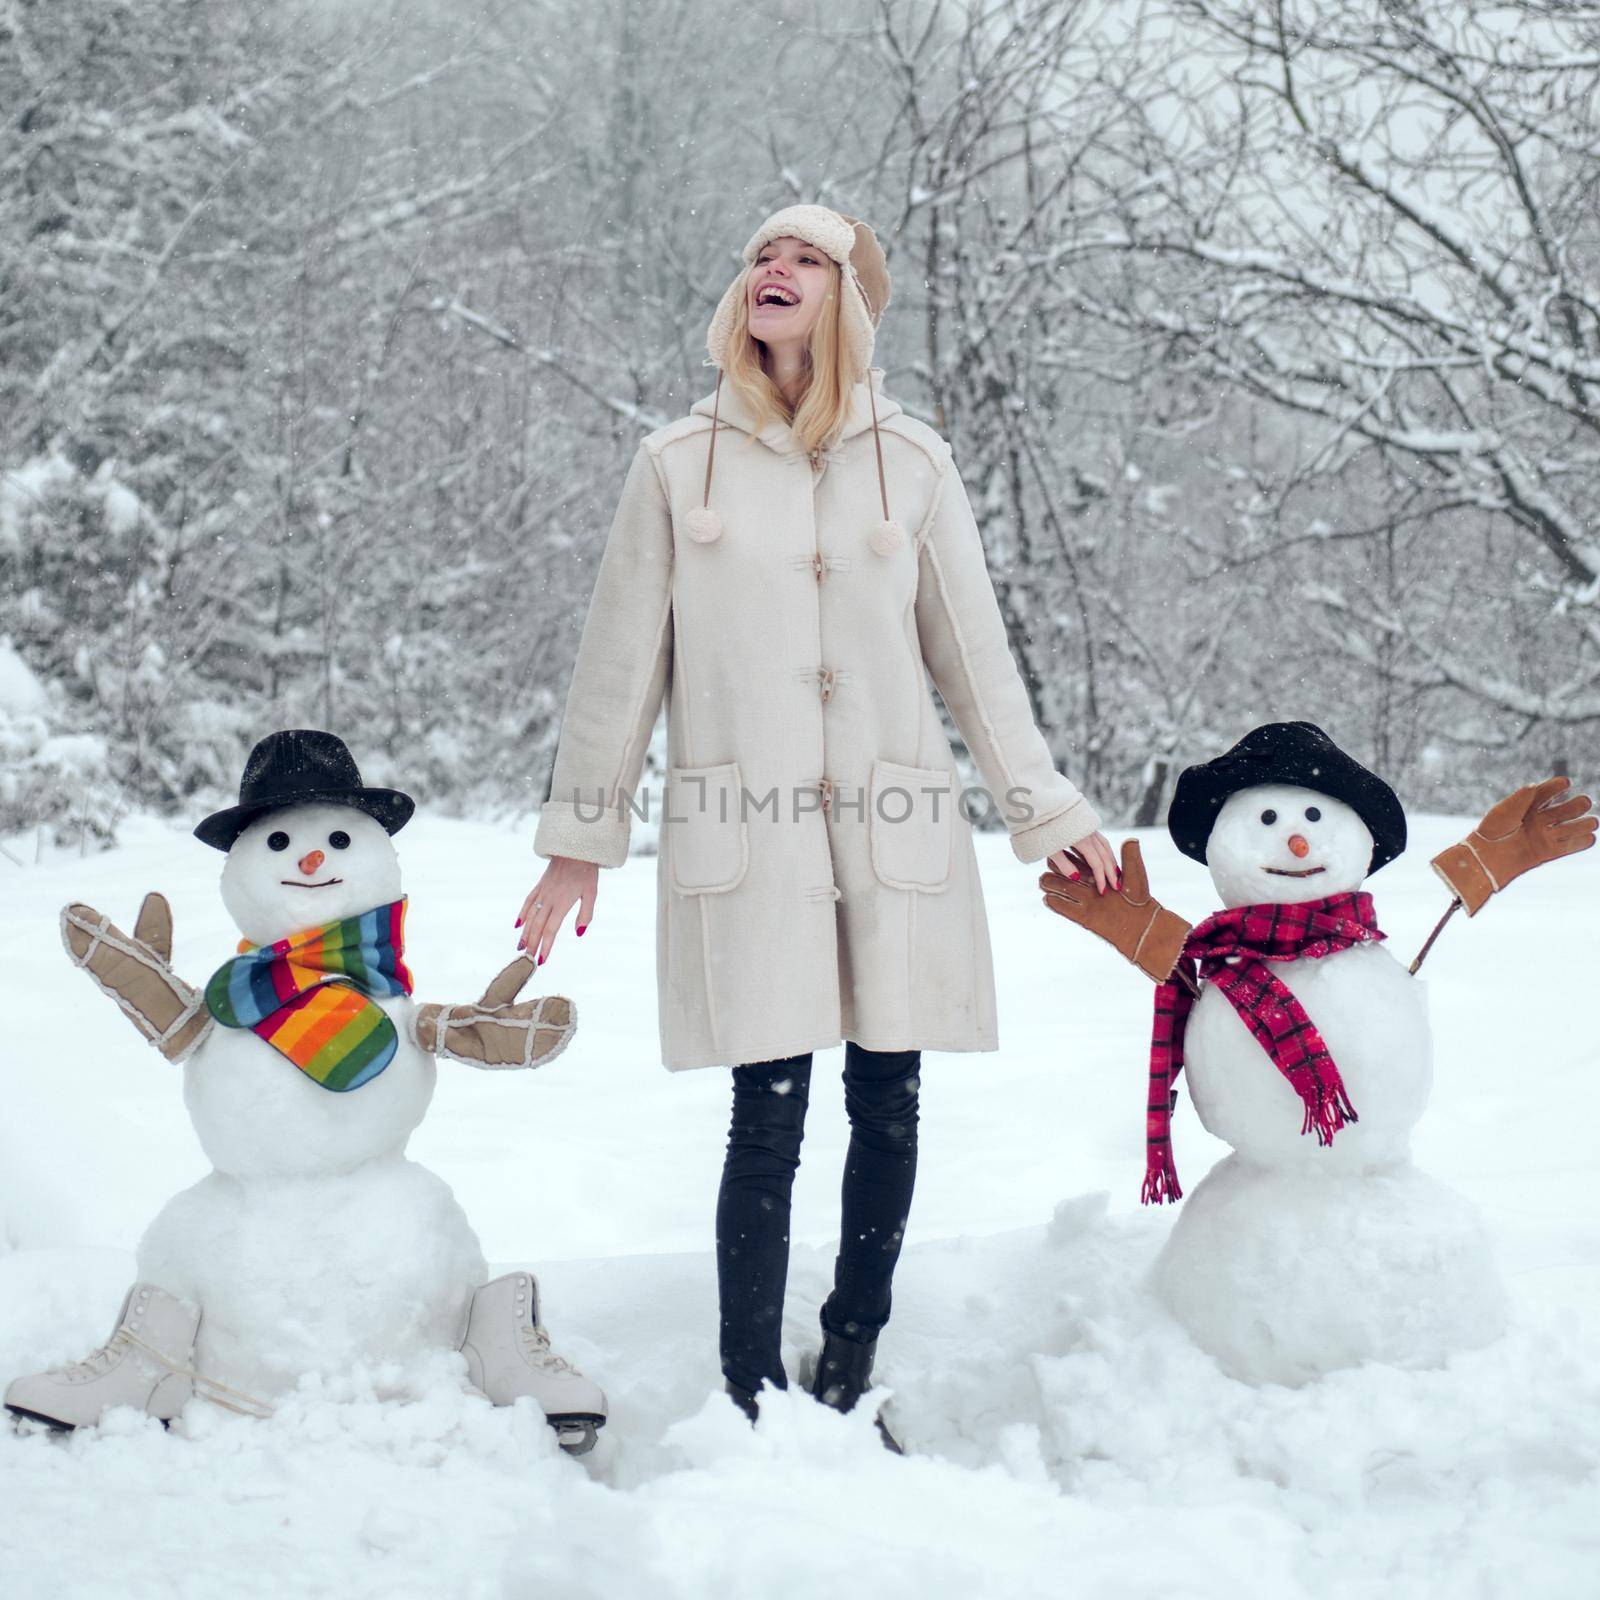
307,865
788,285
1277,844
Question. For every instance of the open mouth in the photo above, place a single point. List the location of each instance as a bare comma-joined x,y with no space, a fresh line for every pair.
295,883
776,295
1287,872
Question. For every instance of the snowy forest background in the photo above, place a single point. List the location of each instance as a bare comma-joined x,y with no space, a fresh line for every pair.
1267,336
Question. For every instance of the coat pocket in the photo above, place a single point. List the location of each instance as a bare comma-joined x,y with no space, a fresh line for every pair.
709,846
911,825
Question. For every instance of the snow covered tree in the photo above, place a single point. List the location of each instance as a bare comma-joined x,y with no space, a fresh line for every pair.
1266,337
1384,220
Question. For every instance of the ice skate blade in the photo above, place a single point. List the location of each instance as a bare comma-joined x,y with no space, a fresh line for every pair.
55,1424
576,1436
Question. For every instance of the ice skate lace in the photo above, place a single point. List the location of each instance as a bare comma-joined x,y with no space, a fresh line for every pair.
99,1362
218,1394
536,1345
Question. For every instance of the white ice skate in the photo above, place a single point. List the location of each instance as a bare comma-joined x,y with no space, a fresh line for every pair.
508,1354
141,1365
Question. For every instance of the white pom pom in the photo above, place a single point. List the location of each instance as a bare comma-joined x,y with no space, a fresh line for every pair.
703,524
887,537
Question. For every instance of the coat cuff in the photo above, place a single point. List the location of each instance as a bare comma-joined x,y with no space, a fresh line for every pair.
1065,828
562,831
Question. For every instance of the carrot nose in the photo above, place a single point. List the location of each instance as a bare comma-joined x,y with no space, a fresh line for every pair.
309,863
1298,847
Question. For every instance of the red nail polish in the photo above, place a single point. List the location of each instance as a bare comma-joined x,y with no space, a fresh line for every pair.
517,923
539,962
580,930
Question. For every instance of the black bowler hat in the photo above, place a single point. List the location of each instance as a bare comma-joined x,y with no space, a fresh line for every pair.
1297,753
298,767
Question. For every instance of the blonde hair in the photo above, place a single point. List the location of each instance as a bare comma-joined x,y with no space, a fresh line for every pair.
826,399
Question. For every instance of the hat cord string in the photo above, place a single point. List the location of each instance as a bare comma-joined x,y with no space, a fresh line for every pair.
711,448
877,444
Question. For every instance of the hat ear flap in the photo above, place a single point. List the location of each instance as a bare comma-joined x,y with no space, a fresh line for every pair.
856,327
723,319
871,268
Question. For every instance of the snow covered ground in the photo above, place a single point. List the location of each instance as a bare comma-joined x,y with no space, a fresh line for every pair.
1067,1437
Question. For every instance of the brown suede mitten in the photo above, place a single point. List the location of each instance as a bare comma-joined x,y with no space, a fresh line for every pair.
134,972
1523,831
494,1033
1127,918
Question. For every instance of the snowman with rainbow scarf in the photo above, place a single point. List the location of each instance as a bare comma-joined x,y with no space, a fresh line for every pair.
314,1243
1316,1244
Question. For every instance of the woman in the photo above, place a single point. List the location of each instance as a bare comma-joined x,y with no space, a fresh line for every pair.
789,563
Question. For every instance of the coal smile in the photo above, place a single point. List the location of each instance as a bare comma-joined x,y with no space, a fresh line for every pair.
1286,872
295,883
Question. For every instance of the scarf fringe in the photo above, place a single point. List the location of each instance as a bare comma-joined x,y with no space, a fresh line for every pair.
1328,1112
1161,1183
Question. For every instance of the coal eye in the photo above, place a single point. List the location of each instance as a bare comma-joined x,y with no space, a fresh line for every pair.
1269,816
1313,814
278,841
339,839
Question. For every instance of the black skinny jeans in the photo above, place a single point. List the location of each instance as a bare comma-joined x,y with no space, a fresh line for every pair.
880,1170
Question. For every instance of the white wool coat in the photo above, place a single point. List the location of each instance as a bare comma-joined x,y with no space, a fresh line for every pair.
793,913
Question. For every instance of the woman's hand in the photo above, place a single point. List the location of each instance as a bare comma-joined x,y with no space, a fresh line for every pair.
1093,855
566,882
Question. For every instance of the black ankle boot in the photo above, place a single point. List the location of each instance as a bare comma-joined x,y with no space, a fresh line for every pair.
743,1398
844,1374
844,1371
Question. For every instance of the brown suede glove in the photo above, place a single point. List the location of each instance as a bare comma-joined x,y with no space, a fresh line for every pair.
1523,831
134,972
1127,918
494,1033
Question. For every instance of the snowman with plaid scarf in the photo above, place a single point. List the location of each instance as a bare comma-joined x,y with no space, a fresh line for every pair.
314,1243
1316,1244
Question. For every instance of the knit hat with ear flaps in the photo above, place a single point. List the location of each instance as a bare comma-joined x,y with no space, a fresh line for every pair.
864,275
853,245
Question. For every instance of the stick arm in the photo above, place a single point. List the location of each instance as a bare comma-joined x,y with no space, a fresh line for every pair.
1438,928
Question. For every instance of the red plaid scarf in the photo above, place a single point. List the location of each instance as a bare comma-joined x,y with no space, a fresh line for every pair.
1232,950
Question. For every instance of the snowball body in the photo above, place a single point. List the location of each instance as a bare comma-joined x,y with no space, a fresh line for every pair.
311,1274
1285,1274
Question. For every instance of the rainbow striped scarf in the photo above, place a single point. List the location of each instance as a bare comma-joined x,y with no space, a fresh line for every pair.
307,995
